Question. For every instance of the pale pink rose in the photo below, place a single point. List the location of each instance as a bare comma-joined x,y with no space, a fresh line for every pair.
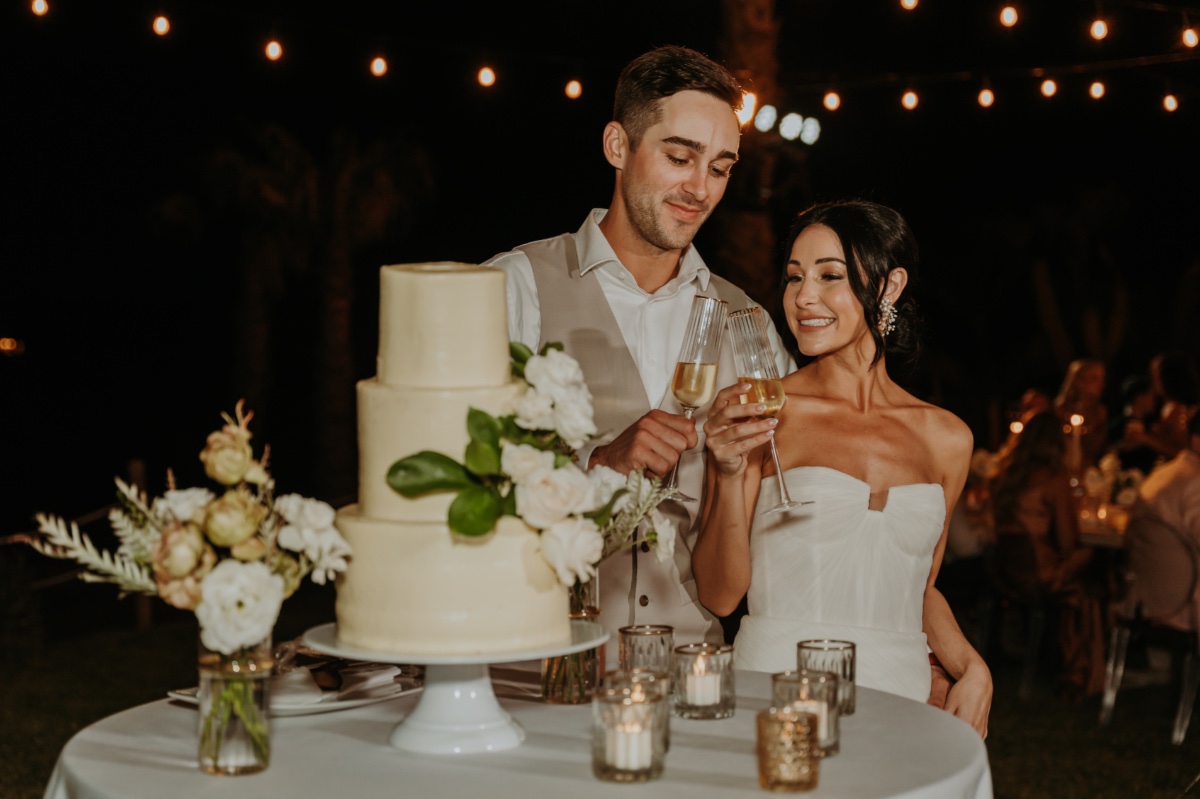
181,561
227,455
253,548
550,495
572,547
232,518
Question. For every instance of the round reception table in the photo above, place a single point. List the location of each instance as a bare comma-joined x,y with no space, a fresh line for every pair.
891,747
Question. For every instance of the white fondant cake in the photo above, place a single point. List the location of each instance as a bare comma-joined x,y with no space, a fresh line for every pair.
412,586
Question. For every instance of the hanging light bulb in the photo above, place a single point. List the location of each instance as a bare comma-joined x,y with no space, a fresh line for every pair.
1008,16
40,7
1096,90
1099,29
162,25
986,98
574,89
832,100
908,4
1049,87
1170,102
486,76
274,50
909,100
1190,37
379,66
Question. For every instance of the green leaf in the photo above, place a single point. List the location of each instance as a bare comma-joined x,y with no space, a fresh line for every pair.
551,345
475,510
520,355
510,502
482,458
427,471
484,427
602,515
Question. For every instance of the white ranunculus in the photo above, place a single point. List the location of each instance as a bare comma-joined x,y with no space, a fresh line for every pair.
573,418
572,547
554,373
534,410
305,512
324,547
239,605
605,482
182,503
664,531
550,495
519,461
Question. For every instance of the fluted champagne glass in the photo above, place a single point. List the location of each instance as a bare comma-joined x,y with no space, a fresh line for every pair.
755,364
695,380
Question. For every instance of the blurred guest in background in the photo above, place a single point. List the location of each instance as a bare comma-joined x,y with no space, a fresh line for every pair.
1038,553
1173,375
1082,393
1127,434
1171,493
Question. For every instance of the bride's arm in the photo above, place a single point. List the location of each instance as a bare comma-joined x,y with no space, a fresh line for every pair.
721,556
970,697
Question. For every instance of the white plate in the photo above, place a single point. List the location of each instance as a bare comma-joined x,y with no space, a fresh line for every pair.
280,710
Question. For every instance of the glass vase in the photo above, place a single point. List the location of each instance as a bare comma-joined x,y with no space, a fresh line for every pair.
572,679
234,724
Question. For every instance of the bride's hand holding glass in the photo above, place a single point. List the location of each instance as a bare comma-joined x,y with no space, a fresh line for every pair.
735,428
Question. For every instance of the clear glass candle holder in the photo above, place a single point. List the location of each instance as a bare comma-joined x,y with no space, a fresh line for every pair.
835,656
788,753
646,646
703,681
813,692
629,728
647,681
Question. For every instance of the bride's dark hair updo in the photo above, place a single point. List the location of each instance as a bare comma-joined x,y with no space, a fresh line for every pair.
876,240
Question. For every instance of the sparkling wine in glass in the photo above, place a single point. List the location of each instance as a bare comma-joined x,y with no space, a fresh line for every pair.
755,363
695,380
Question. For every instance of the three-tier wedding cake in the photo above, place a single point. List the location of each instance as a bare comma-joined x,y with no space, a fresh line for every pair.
412,587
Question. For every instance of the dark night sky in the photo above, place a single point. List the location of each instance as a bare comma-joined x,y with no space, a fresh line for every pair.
127,330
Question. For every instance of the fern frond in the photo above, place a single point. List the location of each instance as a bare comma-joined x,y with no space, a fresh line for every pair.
68,543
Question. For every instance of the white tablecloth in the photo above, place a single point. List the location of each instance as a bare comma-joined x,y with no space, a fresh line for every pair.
892,747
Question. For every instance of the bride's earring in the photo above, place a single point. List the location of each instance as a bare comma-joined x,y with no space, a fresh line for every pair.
887,316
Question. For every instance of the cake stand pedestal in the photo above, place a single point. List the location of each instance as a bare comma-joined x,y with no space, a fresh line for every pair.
457,712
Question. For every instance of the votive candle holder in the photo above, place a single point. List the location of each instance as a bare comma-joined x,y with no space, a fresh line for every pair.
646,646
836,656
628,732
813,692
788,752
703,681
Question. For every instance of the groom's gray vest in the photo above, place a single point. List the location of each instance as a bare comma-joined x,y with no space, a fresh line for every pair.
634,589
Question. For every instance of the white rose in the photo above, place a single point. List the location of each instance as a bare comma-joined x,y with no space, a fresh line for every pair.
534,410
324,547
239,605
182,504
519,461
664,532
572,547
573,417
550,495
305,512
554,373
605,482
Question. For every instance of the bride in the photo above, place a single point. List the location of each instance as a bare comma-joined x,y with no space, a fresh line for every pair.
879,469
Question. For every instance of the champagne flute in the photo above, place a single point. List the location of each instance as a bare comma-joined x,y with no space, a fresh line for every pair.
695,380
755,363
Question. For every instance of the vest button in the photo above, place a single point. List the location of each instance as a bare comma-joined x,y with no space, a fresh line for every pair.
645,546
643,600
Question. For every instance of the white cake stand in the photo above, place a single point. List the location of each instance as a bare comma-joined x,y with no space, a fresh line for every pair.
457,713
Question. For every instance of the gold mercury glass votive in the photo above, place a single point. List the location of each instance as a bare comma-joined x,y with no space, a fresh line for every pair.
788,754
629,728
813,692
703,681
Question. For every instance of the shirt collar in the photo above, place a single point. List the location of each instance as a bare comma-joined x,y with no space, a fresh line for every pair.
595,251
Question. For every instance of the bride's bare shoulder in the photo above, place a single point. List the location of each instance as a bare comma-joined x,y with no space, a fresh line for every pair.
943,427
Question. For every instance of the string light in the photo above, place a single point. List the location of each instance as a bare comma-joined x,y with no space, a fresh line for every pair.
832,101
909,4
1049,87
486,77
1170,102
746,112
1016,427
1099,29
274,50
162,25
909,100
790,126
986,98
764,120
379,66
574,89
1008,16
40,7
1096,90
1190,38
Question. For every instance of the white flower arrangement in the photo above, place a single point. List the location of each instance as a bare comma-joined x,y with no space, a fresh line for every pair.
232,558
1108,482
523,464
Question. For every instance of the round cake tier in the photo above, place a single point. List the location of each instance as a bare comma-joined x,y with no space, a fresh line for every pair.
416,588
442,325
395,422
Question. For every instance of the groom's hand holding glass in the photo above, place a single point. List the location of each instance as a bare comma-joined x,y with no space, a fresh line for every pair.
654,443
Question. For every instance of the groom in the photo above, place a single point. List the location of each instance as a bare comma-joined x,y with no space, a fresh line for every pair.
617,293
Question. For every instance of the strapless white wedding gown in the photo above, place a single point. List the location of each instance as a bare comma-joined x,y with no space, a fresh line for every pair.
836,569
